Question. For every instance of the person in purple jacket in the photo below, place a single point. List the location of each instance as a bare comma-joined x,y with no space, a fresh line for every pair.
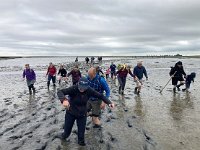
30,78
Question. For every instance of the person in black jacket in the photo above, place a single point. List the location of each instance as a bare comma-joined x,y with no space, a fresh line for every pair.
177,72
63,74
76,107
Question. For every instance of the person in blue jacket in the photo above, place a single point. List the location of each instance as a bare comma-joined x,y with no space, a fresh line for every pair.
99,84
138,72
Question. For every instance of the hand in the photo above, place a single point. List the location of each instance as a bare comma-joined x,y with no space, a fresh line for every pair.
112,105
103,105
66,104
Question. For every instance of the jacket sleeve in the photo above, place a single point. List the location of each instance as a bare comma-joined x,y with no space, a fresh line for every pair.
172,71
34,74
80,73
129,71
61,93
105,87
59,71
24,73
134,72
183,72
55,70
69,73
145,72
93,93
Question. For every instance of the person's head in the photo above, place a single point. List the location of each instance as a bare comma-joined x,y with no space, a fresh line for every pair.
76,68
111,63
83,84
27,66
179,64
92,73
61,66
128,67
50,64
193,74
139,63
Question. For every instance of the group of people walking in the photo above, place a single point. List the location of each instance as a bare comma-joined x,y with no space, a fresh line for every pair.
89,94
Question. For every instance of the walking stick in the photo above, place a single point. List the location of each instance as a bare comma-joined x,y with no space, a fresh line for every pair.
167,82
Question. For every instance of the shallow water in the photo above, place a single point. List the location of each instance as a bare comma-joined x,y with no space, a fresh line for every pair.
150,121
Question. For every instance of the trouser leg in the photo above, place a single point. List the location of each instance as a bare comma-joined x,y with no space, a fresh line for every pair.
123,83
120,84
69,122
81,124
54,80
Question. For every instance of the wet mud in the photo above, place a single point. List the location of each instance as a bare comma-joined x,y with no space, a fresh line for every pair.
149,121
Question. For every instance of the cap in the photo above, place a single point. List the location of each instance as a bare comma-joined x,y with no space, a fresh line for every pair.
179,63
83,83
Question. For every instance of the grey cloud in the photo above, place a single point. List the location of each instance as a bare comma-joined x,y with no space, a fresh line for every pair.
115,27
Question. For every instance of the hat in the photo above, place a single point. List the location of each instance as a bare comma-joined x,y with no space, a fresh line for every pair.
179,63
83,83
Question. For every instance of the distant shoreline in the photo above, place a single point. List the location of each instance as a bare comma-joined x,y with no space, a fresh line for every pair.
165,56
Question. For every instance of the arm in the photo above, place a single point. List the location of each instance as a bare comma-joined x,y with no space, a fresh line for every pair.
34,74
80,74
183,72
70,73
172,71
93,93
24,74
59,71
145,72
129,71
105,87
55,70
61,93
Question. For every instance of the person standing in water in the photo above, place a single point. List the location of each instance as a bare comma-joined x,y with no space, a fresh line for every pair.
138,72
30,78
63,74
76,75
121,76
76,107
51,73
177,72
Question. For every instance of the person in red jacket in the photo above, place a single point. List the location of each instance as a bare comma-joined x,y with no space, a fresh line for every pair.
51,72
121,75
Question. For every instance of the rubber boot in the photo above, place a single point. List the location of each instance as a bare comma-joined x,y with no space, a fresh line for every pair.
33,90
30,92
178,86
136,89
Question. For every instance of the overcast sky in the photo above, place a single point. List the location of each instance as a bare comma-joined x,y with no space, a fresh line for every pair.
99,27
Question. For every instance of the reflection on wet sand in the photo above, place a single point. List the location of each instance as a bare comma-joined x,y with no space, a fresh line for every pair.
178,105
139,107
